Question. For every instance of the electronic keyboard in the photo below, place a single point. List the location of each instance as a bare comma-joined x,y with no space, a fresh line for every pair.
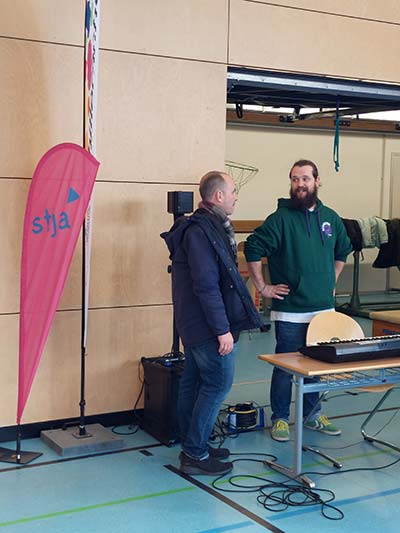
342,351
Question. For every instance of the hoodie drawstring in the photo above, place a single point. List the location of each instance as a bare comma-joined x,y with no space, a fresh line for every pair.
308,223
320,227
307,213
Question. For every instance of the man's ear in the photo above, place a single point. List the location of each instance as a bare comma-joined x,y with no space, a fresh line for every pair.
218,195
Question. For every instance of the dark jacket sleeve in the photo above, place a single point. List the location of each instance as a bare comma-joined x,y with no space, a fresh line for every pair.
205,274
343,245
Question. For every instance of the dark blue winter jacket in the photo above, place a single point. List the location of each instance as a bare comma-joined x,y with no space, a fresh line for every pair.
208,293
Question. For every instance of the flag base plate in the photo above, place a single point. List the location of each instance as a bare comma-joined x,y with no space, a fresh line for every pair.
10,456
66,442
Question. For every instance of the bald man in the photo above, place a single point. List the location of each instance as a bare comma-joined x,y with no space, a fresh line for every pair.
211,306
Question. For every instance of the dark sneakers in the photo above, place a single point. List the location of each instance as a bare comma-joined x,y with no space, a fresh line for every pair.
218,453
206,467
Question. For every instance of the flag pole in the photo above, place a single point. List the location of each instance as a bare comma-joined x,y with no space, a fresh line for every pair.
17,456
90,70
18,450
100,438
82,401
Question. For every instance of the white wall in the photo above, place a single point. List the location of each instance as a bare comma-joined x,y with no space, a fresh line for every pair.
360,189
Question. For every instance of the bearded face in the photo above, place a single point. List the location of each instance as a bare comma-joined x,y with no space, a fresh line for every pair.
302,197
303,187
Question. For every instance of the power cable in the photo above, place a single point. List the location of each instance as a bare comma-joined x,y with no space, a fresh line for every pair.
278,497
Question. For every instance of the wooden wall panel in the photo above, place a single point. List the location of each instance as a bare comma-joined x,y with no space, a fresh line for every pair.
129,257
41,95
160,120
388,11
274,37
118,338
177,28
13,194
9,373
44,20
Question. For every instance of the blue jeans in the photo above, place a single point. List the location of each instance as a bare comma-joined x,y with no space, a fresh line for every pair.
206,380
290,336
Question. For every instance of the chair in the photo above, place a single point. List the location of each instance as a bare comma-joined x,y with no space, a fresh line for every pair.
332,326
387,389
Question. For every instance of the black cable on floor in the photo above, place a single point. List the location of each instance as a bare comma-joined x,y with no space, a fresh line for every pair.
278,497
360,469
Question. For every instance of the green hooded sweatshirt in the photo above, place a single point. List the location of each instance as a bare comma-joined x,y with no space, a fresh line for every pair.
301,248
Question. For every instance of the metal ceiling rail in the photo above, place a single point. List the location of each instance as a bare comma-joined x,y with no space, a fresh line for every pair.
293,90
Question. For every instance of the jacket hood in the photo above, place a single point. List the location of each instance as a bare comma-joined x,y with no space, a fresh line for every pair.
174,236
285,202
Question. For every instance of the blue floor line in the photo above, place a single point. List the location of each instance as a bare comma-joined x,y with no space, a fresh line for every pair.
339,503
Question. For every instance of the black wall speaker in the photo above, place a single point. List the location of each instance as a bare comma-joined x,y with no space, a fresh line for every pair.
180,202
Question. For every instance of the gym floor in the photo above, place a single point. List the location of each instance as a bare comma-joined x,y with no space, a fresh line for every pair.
139,487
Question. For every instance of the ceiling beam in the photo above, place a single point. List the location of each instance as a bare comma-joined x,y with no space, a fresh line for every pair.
254,118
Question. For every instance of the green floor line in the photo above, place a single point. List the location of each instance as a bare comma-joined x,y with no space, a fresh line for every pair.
95,506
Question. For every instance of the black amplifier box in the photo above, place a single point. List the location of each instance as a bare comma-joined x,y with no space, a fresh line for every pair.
161,381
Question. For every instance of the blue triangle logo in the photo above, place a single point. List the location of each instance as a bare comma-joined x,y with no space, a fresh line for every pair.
72,196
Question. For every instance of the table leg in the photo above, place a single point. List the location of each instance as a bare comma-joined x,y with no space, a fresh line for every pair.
295,472
298,425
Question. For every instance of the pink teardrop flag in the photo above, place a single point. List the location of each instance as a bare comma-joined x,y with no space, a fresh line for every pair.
58,198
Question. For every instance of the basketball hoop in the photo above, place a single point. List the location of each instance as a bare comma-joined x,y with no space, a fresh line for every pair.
241,174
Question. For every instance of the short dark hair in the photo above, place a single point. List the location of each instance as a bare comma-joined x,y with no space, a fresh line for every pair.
210,182
304,163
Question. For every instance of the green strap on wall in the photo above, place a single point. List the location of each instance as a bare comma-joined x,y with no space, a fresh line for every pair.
336,140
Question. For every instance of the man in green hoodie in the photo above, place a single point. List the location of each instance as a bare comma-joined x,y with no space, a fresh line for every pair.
306,245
